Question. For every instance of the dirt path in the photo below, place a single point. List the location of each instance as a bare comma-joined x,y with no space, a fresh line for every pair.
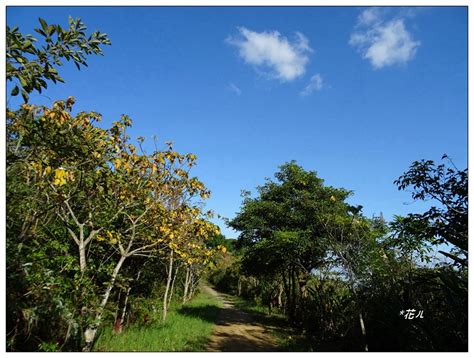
238,331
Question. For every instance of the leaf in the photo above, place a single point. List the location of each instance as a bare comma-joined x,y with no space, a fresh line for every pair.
44,25
22,81
15,91
25,96
50,30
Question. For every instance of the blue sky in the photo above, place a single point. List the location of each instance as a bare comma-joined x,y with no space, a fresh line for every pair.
356,94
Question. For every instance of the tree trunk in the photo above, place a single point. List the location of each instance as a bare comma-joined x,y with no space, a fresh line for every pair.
186,285
117,328
172,285
287,293
293,294
120,322
280,293
168,284
361,318
82,257
194,284
362,329
91,331
303,282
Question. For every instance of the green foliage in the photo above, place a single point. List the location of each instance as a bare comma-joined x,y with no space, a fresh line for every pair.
31,66
220,240
405,238
447,222
346,277
48,347
226,277
101,234
186,329
90,217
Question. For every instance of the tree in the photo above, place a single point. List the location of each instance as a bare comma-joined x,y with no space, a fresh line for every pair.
446,222
34,243
30,67
86,206
285,219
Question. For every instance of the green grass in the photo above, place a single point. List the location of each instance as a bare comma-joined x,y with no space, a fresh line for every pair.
186,329
249,306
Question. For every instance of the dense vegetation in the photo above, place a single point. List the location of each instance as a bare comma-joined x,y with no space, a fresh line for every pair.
98,230
346,281
103,234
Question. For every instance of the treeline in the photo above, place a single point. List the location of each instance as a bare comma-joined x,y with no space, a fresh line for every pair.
100,232
351,283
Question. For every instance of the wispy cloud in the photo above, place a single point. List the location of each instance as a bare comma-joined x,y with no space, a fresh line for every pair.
369,16
383,43
315,84
272,53
232,87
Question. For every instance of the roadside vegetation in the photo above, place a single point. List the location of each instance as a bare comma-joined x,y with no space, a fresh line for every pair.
96,224
348,282
186,329
107,241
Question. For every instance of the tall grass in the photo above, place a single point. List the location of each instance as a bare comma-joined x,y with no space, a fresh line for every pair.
186,329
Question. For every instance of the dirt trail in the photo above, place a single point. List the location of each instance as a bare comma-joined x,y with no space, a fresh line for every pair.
238,331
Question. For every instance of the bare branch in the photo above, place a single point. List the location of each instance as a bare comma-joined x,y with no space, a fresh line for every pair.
72,213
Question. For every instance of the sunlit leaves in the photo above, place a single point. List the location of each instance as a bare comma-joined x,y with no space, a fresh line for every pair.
31,66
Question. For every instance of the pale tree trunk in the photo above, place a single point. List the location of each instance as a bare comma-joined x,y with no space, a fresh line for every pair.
361,317
280,293
82,243
80,240
172,285
190,286
91,331
186,285
361,320
82,257
362,329
168,284
193,282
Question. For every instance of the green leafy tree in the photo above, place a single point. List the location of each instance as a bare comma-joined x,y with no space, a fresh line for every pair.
35,245
86,206
446,222
30,66
282,231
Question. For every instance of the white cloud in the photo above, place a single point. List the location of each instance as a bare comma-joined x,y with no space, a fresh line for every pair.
232,87
369,16
272,53
383,43
315,84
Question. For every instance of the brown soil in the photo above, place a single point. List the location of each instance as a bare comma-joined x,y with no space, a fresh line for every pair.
238,331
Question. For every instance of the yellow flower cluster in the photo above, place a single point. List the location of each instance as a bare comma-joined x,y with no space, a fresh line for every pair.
222,248
61,176
112,236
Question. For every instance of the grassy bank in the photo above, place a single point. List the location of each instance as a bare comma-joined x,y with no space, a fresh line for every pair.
187,329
